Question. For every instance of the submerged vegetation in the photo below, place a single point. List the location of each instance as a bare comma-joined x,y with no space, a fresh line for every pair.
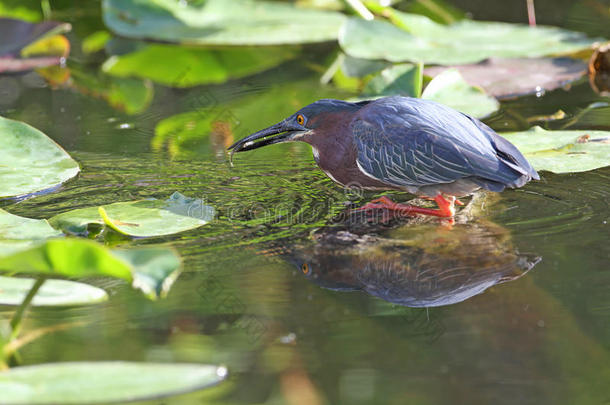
87,210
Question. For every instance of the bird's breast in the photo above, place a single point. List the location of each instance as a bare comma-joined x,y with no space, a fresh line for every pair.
340,165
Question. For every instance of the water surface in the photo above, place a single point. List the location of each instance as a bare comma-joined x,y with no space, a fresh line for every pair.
533,335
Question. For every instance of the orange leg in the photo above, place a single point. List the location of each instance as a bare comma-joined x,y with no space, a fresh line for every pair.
446,208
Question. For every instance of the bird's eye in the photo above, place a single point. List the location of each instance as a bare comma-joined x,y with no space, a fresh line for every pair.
300,119
305,268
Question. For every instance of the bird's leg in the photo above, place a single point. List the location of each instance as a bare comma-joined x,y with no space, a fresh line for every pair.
446,208
457,202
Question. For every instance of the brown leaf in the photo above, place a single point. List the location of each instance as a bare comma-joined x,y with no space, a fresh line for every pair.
599,69
509,78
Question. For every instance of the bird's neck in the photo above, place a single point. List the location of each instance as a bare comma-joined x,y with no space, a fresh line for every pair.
335,152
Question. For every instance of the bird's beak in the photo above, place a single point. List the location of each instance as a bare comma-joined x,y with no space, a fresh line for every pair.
280,132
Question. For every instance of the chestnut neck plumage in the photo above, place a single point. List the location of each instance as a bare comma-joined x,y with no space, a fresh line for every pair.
336,154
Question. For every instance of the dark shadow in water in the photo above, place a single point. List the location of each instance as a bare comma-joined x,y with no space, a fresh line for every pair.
415,265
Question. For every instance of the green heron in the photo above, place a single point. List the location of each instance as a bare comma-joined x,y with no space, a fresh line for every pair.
401,143
429,270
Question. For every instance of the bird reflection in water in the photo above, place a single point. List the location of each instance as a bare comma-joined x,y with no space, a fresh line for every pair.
412,265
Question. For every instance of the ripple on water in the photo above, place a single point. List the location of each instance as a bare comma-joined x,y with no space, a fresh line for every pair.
559,204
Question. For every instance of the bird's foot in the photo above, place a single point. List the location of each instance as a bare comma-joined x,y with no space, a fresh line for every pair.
456,201
446,208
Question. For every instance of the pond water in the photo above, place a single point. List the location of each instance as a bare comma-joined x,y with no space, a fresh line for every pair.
275,303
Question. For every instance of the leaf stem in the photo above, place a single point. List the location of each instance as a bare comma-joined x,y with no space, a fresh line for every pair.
46,9
332,69
531,13
360,9
18,316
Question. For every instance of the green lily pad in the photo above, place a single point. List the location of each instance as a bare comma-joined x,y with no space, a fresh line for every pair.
208,129
192,66
221,22
356,67
450,88
144,218
466,41
26,10
52,293
18,233
103,382
151,270
403,79
563,151
20,228
30,161
122,93
95,42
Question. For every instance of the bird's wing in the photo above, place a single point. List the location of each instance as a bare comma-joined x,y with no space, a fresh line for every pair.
508,152
409,142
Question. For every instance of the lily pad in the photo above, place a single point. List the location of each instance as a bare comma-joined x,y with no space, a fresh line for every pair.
196,66
95,42
52,293
20,228
212,127
451,89
17,34
356,67
19,40
422,40
448,88
18,233
509,78
563,151
144,218
103,382
122,93
151,270
30,161
221,22
403,79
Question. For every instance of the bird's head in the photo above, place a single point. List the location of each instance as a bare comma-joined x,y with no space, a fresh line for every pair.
307,125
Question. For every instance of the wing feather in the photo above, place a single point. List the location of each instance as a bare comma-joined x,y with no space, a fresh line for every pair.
413,142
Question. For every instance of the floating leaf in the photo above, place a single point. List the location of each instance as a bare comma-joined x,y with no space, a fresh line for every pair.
212,126
144,218
19,40
56,45
103,382
154,269
151,270
95,42
449,88
219,22
20,228
563,151
30,161
192,66
403,79
599,70
356,67
66,257
19,233
122,93
52,293
508,78
28,10
466,41
17,34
